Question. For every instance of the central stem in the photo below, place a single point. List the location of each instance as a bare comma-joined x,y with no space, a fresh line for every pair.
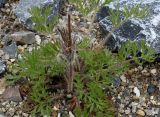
71,54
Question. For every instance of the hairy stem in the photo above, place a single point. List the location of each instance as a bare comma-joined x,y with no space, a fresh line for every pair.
71,52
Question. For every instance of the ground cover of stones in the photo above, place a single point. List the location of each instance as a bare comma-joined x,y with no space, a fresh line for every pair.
136,93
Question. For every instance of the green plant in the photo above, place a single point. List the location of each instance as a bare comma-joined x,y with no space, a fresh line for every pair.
38,66
39,16
41,98
93,99
139,52
88,6
115,16
100,65
95,67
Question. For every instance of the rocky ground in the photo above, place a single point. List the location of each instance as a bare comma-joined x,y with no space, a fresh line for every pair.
136,93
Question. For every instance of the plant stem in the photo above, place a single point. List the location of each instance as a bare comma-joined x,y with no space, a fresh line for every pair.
71,67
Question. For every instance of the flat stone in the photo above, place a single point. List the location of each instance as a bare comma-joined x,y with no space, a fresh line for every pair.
10,50
12,94
2,85
24,37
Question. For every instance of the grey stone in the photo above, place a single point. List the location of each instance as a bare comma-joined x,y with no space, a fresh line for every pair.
2,114
10,49
151,89
12,94
2,67
148,112
2,2
134,29
22,9
117,82
127,111
24,37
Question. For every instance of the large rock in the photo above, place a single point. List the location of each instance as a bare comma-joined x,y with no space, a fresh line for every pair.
23,6
135,29
12,94
24,37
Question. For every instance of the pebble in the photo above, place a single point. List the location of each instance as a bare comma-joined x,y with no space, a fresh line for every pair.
148,112
144,71
127,111
152,97
11,50
136,91
141,112
11,111
21,48
140,68
25,114
123,78
38,39
151,89
30,49
1,91
71,114
153,72
136,69
12,60
116,82
2,114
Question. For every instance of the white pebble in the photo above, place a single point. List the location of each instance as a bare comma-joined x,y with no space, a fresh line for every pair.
153,72
144,71
38,39
123,78
136,91
152,97
71,114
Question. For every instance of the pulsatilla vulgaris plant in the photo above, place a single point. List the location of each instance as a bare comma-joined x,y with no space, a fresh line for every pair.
87,71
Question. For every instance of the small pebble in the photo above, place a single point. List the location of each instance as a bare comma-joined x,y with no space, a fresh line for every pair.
38,39
151,89
144,71
141,113
123,78
12,60
71,114
136,91
127,111
153,72
152,97
140,68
